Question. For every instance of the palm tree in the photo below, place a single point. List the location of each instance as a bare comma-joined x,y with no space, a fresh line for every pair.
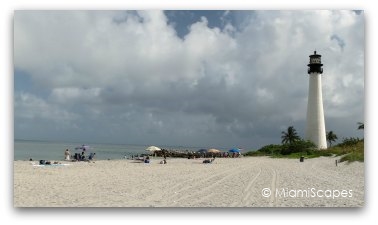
331,137
360,126
290,136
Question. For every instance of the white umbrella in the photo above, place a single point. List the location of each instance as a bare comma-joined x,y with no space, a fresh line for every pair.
153,148
213,150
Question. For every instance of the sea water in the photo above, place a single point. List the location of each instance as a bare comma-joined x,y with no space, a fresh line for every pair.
47,150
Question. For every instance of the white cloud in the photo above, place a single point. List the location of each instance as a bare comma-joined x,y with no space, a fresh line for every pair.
248,79
28,106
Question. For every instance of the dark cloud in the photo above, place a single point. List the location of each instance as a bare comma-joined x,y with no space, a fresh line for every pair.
339,41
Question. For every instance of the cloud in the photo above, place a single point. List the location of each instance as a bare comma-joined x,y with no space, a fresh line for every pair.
129,73
339,41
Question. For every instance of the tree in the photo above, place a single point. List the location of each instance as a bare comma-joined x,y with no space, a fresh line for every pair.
360,126
290,136
331,137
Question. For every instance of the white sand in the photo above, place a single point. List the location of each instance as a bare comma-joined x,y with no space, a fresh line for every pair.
190,183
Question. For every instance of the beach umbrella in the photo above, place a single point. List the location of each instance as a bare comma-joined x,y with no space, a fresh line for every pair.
234,150
213,150
153,149
82,148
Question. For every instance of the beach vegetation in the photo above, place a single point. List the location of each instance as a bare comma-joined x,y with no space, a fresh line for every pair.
270,149
350,150
290,136
353,149
331,137
292,146
360,126
299,146
351,141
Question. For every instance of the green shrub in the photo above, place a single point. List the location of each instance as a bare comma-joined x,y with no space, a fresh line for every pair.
255,153
352,149
349,142
270,149
302,146
353,156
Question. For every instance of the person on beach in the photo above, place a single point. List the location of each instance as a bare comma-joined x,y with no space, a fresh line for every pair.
77,156
91,156
67,155
82,157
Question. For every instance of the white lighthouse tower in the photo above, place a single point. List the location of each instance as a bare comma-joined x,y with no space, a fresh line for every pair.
315,130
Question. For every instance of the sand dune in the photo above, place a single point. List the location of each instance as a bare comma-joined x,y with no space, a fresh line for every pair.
229,182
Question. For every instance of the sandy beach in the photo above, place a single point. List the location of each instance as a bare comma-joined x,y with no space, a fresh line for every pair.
227,182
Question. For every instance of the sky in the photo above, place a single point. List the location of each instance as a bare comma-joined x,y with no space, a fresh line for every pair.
183,78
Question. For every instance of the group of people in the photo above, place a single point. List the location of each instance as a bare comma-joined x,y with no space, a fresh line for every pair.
147,160
233,155
78,156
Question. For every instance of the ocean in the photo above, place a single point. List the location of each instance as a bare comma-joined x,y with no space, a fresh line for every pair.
37,150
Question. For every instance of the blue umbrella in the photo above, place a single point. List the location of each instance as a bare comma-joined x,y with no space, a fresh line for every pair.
234,150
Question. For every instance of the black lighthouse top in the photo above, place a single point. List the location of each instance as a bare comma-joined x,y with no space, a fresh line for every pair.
315,65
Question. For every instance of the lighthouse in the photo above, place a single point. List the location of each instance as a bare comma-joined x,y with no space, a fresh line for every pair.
315,130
